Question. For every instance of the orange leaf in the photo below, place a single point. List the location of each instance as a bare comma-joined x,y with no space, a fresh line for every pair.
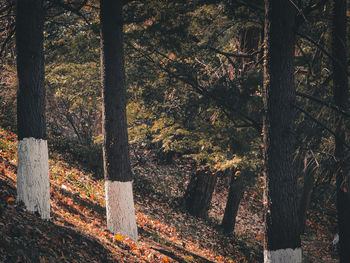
119,237
165,259
10,199
260,236
220,258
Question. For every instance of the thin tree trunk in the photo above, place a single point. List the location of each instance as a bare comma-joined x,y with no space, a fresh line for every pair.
117,169
234,198
305,199
250,40
237,187
341,96
33,187
282,239
199,193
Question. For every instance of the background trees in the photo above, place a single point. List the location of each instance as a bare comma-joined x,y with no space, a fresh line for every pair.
194,78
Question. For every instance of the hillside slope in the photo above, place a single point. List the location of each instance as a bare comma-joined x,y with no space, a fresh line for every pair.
77,230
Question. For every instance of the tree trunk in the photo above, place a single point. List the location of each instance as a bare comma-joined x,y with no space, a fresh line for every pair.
341,95
33,187
250,39
305,199
234,198
199,193
237,187
118,177
282,239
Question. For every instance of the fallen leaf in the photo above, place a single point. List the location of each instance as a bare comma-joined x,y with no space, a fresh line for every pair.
10,199
119,237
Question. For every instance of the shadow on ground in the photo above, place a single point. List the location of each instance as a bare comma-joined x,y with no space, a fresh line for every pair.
26,238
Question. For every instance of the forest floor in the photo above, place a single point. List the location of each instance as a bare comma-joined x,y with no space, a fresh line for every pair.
77,229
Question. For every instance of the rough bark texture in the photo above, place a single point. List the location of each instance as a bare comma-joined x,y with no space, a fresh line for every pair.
33,187
117,169
234,198
199,193
280,196
116,148
30,69
341,153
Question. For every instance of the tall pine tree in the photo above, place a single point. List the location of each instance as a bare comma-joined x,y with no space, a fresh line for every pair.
117,169
33,167
341,153
282,239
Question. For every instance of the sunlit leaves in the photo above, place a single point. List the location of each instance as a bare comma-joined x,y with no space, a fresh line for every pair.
119,237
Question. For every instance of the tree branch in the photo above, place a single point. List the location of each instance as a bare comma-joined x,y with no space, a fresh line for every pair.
237,55
192,81
322,125
75,10
343,67
328,104
307,10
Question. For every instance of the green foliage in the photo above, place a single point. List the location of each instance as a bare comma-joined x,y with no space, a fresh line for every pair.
74,97
139,123
165,109
72,79
184,97
75,42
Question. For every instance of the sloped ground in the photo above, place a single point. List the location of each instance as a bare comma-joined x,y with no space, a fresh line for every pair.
77,230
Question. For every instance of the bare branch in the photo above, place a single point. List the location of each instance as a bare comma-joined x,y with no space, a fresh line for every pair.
343,67
74,10
328,104
307,10
322,125
237,55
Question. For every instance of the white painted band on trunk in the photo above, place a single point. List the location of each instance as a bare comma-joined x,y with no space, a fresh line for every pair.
33,186
120,208
287,255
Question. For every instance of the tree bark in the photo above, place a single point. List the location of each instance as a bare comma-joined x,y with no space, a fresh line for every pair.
33,168
237,187
117,169
199,193
30,69
234,198
282,239
305,199
341,96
